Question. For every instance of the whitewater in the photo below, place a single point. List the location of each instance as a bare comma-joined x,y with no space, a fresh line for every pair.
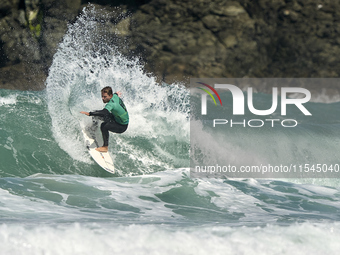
54,199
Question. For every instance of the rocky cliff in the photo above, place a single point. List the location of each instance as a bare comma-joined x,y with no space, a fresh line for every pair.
179,39
30,31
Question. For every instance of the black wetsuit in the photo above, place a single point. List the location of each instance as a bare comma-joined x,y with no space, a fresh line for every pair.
115,120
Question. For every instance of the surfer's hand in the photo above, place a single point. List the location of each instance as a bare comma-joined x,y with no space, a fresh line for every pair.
119,93
86,113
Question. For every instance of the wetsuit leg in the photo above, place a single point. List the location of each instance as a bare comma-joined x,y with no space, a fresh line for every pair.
113,127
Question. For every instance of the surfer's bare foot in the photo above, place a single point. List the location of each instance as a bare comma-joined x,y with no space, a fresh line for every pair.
102,149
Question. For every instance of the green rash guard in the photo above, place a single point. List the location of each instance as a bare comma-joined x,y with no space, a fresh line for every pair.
117,108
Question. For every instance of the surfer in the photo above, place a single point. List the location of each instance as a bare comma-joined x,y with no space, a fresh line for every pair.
115,115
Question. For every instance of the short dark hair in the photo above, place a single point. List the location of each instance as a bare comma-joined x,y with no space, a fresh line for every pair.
107,90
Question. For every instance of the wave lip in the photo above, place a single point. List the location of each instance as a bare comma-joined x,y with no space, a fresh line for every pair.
87,61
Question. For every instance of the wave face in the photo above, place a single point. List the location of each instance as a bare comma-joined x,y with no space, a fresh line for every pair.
55,200
166,211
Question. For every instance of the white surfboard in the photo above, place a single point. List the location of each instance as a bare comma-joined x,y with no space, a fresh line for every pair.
102,158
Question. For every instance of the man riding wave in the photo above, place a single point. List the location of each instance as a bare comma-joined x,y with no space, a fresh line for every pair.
115,116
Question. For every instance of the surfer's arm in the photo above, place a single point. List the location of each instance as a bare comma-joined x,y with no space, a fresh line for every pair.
86,113
100,113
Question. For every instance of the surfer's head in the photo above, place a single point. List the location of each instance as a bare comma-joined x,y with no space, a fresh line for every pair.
106,94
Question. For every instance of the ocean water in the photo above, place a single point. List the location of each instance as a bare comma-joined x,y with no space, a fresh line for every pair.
55,200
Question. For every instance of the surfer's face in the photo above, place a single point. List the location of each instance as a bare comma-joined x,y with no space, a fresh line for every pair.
106,98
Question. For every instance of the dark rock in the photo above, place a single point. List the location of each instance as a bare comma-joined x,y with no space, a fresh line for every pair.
181,39
13,36
218,37
22,77
30,32
8,6
244,38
